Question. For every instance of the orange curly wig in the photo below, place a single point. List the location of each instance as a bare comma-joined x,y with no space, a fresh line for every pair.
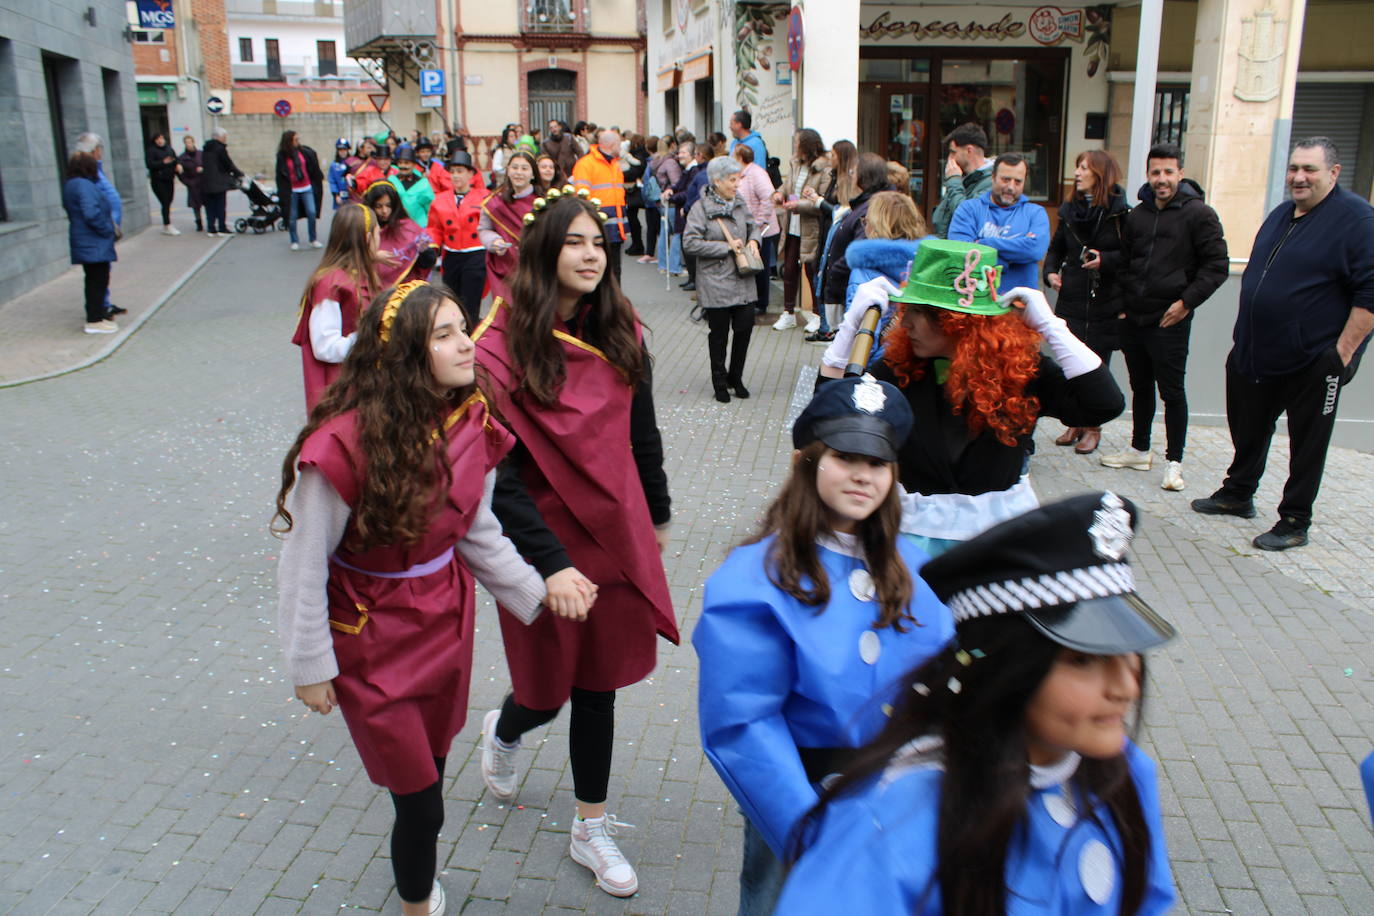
994,359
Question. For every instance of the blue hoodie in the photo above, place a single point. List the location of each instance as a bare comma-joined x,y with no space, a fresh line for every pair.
870,258
1020,233
755,143
111,194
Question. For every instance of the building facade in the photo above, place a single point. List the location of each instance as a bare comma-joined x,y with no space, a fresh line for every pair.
1234,78
65,68
509,61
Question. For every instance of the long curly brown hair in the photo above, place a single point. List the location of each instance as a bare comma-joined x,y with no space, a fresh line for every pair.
797,517
609,325
995,357
391,387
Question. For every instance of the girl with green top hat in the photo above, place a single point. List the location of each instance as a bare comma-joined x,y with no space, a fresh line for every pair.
969,361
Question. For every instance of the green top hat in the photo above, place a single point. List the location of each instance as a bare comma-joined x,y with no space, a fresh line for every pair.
959,276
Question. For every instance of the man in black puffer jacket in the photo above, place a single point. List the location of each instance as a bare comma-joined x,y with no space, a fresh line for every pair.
1175,255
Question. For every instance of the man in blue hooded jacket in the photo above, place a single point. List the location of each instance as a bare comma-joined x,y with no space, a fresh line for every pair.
1005,219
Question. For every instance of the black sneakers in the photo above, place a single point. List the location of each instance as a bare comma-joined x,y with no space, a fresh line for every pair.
1286,533
1221,504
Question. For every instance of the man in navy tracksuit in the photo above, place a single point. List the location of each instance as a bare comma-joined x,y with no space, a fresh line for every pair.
1005,219
1306,313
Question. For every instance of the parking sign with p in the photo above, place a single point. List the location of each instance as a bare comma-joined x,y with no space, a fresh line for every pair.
431,82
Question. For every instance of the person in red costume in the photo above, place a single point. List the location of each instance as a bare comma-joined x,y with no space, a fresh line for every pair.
377,168
453,220
565,365
405,250
335,296
376,600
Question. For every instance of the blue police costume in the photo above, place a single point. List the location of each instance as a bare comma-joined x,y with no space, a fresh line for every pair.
787,689
875,851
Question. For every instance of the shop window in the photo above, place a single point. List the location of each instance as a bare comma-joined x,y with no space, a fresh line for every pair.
245,50
1171,114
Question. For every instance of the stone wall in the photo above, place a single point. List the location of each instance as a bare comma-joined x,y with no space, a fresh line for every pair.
253,139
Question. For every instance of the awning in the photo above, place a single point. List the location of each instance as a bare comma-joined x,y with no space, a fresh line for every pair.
697,67
155,93
667,78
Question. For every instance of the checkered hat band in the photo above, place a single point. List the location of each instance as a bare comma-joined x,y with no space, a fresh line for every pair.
1045,590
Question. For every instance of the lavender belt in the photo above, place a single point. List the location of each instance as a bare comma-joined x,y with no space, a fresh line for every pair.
415,572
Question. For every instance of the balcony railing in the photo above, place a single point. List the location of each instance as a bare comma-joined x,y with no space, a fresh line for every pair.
553,16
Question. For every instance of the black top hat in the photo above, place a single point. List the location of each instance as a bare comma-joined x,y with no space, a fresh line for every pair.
424,143
1063,568
460,157
405,152
860,416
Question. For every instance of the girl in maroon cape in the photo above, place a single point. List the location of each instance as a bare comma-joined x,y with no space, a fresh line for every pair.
338,291
385,501
565,364
503,215
405,248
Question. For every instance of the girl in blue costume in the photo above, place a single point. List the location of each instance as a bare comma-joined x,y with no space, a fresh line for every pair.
1005,783
807,629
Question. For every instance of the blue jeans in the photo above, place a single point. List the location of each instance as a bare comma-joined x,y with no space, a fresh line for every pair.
669,245
760,875
301,200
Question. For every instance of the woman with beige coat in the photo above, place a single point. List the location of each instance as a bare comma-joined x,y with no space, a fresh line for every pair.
800,222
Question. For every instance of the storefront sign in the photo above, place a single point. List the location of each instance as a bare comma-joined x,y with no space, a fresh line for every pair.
697,68
1050,25
667,79
156,14
884,26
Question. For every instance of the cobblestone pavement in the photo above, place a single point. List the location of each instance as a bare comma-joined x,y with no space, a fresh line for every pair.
154,760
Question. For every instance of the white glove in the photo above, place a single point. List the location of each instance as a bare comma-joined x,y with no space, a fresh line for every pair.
1072,355
877,291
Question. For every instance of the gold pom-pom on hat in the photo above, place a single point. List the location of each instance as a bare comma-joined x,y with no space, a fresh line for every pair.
529,219
540,203
554,194
602,215
584,193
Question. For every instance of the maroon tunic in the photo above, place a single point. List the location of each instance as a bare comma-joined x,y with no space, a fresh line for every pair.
509,221
584,482
352,297
404,645
403,241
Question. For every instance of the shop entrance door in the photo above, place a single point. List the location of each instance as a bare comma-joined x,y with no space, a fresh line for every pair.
894,116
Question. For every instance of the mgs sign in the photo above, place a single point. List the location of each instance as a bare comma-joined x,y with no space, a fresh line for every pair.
156,14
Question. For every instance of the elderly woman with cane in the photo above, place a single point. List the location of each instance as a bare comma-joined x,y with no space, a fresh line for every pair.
722,236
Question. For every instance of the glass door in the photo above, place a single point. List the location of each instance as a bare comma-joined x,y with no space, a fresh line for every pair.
894,115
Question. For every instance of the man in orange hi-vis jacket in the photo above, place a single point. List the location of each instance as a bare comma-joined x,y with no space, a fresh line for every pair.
599,171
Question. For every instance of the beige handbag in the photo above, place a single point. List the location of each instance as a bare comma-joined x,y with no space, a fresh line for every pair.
747,260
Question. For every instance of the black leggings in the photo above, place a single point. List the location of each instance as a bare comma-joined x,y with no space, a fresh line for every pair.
97,283
591,734
163,191
419,817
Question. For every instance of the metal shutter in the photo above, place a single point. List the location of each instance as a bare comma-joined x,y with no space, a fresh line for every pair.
1333,110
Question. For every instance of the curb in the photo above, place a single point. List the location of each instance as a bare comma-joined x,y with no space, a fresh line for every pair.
127,332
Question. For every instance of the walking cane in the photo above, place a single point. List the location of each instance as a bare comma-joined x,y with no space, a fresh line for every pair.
864,339
665,232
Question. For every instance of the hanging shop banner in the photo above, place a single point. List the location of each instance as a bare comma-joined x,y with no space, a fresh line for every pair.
155,14
697,68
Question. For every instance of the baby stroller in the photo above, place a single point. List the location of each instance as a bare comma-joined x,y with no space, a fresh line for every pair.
266,212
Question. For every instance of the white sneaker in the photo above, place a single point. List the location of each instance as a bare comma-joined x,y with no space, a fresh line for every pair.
1173,476
786,321
1130,458
295,246
593,847
170,230
437,903
813,323
316,244
105,326
498,759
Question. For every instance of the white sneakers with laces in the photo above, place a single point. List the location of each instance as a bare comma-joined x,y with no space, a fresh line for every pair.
1129,458
592,845
498,759
1173,476
169,229
813,323
437,903
786,321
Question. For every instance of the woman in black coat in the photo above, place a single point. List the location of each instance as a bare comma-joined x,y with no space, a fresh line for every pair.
190,175
1084,263
300,185
220,175
161,160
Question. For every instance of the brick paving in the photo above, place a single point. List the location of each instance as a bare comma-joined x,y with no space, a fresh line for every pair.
154,760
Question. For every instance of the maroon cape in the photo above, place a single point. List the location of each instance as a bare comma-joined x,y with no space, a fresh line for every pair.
583,479
352,297
508,220
404,645
403,241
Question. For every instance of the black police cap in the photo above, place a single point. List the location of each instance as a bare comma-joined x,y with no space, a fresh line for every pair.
860,416
1063,568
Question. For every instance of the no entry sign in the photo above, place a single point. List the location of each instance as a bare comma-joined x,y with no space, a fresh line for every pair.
282,108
